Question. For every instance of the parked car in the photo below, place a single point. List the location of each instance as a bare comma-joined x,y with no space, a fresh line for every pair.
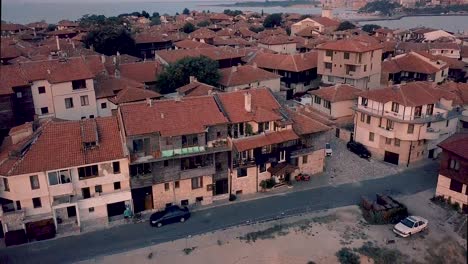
170,215
410,225
358,149
328,150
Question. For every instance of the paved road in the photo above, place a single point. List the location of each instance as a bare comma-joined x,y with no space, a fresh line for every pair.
132,236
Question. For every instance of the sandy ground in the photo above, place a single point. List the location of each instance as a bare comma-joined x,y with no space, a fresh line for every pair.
313,237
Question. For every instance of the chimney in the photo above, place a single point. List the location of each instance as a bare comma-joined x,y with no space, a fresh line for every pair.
248,102
149,102
302,55
48,71
103,59
58,42
255,65
192,79
234,69
73,44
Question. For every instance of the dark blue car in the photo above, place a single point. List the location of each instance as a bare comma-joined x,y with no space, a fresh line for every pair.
170,215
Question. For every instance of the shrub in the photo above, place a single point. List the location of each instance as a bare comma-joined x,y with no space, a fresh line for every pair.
268,183
380,255
346,256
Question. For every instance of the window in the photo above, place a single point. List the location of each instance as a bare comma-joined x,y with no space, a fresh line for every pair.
91,116
365,68
429,124
219,166
18,205
199,199
266,149
88,171
37,202
103,105
350,69
364,101
304,159
395,107
19,95
390,124
79,84
166,163
328,65
327,104
177,184
84,100
166,186
241,172
197,183
168,204
410,128
317,100
397,142
329,53
346,55
116,167
44,110
456,186
189,140
368,119
430,109
117,186
6,186
68,103
454,164
91,209
140,169
86,193
34,180
417,111
388,141
447,123
262,167
282,155
363,116
41,89
371,136
184,202
98,188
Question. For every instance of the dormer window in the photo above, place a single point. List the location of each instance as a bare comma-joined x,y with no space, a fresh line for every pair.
430,109
79,84
395,107
89,145
364,101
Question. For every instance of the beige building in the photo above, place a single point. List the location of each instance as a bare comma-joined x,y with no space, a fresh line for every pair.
320,25
279,43
246,77
72,175
404,123
335,101
351,61
453,173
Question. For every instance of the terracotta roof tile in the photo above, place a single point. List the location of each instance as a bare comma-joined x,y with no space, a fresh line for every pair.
337,93
191,44
413,62
351,45
57,71
216,53
457,144
195,88
172,118
293,63
239,75
143,72
266,139
202,33
63,143
130,94
277,40
108,86
11,76
304,125
459,89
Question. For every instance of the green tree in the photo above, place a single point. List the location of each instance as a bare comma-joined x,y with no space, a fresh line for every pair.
204,23
155,19
230,12
109,39
137,14
186,11
155,14
273,20
385,7
51,27
188,28
370,28
345,25
145,14
256,29
178,74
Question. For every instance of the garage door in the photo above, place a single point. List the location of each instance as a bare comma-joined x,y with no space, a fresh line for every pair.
391,157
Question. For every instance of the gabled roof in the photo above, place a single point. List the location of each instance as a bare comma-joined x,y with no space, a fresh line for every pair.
62,142
264,106
239,75
202,33
351,45
143,72
277,40
131,94
286,62
11,76
409,94
151,37
195,88
304,125
172,117
337,93
269,138
108,86
413,62
457,144
325,21
216,53
459,89
191,44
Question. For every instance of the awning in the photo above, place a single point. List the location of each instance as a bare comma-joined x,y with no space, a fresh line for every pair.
282,169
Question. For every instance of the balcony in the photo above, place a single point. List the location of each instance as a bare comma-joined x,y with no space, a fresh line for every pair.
105,198
431,134
61,189
197,172
412,119
140,181
386,132
244,163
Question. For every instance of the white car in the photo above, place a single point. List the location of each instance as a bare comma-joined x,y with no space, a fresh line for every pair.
410,226
328,150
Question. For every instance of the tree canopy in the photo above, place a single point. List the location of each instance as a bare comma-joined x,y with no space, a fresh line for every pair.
188,28
273,20
345,25
88,21
204,23
230,12
186,11
155,19
178,74
370,28
109,39
385,7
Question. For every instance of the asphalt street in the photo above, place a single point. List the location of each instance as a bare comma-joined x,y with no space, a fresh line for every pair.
131,236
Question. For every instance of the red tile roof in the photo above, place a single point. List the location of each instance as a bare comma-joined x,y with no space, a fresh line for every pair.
63,143
172,118
457,144
459,89
11,76
195,88
108,86
337,93
130,94
412,62
277,40
304,125
150,37
351,45
57,71
409,94
239,75
191,44
217,53
202,33
269,138
327,22
292,63
143,72
264,106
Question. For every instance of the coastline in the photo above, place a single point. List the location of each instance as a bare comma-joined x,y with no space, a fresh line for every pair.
365,19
